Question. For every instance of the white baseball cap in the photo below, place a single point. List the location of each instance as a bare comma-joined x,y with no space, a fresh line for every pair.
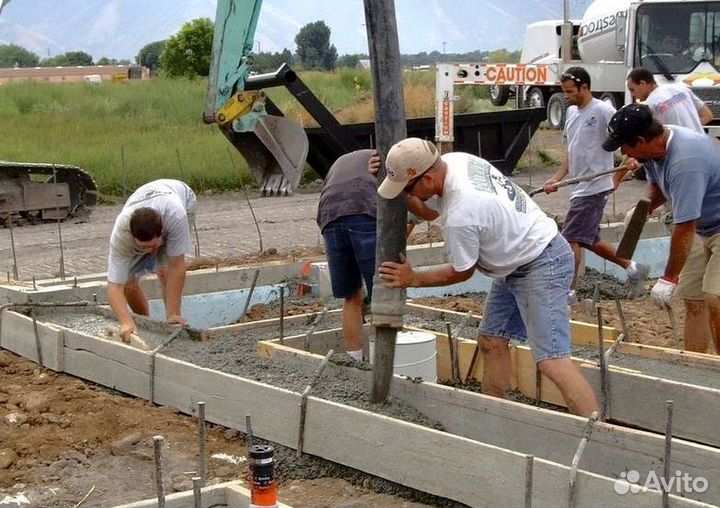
407,159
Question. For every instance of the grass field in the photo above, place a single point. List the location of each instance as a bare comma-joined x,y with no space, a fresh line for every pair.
156,126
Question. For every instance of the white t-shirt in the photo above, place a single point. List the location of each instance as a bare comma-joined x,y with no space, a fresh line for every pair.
675,104
174,201
488,221
585,131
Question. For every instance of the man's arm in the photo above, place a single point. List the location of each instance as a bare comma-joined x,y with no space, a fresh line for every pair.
550,185
706,115
175,282
401,275
119,305
655,196
420,209
681,242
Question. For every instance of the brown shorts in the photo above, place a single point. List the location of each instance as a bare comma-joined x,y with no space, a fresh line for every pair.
701,274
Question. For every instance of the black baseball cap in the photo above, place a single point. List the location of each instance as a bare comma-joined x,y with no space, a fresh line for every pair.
626,124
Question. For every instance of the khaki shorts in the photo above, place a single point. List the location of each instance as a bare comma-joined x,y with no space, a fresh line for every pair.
701,273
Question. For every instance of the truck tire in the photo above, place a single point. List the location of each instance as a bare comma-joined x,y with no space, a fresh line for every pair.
535,98
499,94
556,111
614,99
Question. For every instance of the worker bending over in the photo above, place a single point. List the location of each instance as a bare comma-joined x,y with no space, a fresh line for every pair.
151,235
489,224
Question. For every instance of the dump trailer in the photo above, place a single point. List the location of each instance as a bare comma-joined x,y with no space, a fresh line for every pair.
277,149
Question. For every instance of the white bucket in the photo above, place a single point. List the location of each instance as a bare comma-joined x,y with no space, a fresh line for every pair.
415,355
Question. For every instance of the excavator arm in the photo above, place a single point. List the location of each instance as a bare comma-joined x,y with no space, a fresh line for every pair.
274,147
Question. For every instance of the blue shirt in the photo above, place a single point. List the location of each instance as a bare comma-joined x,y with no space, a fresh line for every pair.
689,178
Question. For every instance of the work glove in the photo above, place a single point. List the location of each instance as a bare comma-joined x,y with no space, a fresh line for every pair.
662,292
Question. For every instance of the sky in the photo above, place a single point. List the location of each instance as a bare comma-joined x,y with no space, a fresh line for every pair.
119,28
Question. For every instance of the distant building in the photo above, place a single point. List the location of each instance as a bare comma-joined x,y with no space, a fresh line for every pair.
89,74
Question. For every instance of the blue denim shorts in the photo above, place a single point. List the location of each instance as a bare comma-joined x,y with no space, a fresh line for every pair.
582,222
350,249
531,303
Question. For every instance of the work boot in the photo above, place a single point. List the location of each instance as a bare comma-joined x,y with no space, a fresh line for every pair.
636,275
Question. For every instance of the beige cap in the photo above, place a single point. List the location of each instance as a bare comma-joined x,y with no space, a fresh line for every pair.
407,159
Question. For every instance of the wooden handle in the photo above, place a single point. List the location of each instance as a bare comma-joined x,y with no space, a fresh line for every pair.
132,339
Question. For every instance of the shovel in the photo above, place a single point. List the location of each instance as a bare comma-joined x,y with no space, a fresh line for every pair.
571,181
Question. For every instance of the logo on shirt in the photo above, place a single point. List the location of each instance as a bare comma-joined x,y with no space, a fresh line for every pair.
485,180
591,122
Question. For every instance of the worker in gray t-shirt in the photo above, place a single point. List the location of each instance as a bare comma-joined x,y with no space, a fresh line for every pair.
151,235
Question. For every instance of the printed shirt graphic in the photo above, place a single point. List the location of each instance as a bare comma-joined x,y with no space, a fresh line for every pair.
675,104
689,178
585,130
487,221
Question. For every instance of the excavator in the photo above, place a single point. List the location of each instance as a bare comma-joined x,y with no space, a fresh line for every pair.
36,191
276,148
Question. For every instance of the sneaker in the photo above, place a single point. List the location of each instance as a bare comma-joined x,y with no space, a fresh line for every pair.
636,275
572,299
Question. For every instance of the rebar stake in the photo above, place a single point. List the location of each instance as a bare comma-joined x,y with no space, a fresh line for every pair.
282,314
473,361
246,305
529,463
34,283
303,402
315,324
157,444
38,345
249,438
201,436
668,445
603,365
578,455
12,246
623,323
197,493
59,222
451,348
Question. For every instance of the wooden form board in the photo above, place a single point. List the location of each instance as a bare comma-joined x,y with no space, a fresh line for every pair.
543,433
17,335
635,399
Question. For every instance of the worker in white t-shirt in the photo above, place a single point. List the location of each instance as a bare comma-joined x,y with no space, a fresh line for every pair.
151,235
585,130
491,225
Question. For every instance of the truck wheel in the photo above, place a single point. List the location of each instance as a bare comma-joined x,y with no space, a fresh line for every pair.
535,98
499,94
614,99
556,111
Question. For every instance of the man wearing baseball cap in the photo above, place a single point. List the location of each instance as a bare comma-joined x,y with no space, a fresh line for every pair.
491,225
683,169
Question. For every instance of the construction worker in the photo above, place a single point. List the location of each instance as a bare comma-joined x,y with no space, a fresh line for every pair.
151,234
347,219
585,127
671,103
683,169
490,225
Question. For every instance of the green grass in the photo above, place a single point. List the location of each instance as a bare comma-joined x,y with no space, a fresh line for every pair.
152,122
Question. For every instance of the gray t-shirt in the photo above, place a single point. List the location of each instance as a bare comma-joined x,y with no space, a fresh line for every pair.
585,130
175,202
349,189
689,178
675,104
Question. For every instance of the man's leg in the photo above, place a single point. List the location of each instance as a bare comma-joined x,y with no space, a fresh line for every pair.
575,389
352,321
606,251
696,333
496,365
713,306
136,298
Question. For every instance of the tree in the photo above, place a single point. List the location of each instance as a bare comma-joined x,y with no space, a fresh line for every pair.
313,47
71,58
350,61
187,53
12,55
504,56
149,55
106,61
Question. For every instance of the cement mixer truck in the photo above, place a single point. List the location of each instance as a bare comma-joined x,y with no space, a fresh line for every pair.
679,41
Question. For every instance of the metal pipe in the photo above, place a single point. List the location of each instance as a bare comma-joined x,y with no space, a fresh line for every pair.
201,437
157,444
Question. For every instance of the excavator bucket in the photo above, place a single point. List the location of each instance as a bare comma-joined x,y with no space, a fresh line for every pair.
275,149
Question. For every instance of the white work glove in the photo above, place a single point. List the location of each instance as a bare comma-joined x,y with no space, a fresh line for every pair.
662,292
628,216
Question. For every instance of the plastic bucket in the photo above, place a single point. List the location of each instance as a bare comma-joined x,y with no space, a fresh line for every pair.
415,355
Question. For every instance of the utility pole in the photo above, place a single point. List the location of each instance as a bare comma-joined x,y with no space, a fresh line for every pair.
388,305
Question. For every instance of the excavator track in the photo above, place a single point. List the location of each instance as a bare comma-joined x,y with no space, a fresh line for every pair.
36,192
